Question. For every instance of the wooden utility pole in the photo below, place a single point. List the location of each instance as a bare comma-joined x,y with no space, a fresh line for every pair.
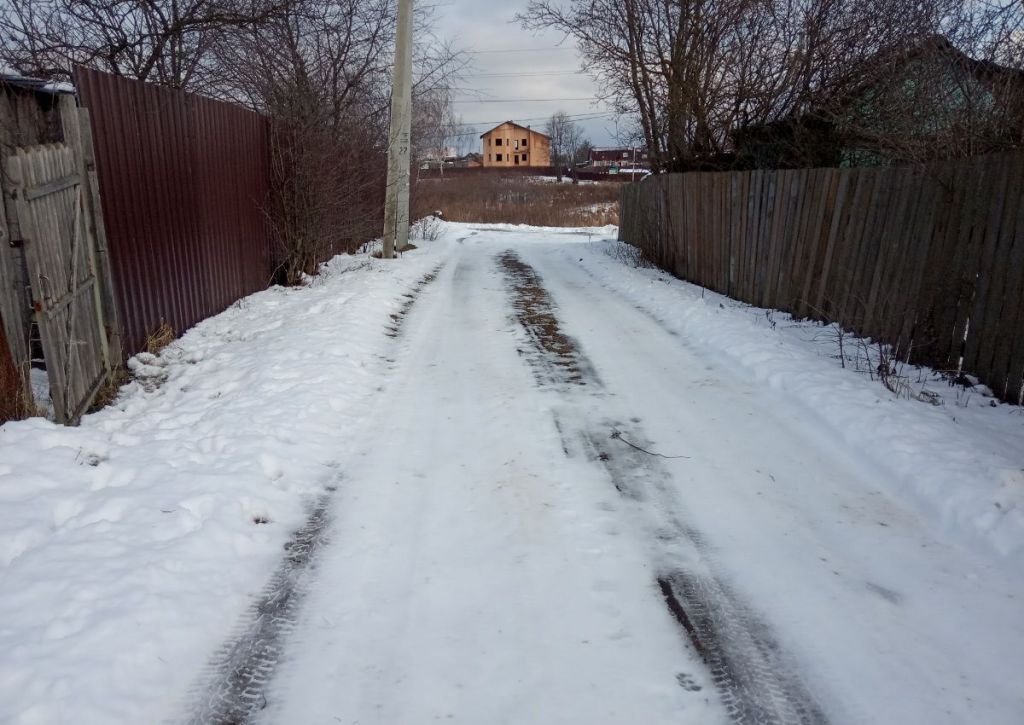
396,206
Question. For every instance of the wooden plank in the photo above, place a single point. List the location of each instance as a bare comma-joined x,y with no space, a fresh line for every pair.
890,228
15,310
1010,345
702,205
809,197
844,293
918,250
52,186
792,275
870,248
677,213
997,178
821,306
947,348
724,229
831,280
1006,271
930,266
755,192
939,268
777,226
740,232
829,180
711,215
80,137
770,188
791,239
893,298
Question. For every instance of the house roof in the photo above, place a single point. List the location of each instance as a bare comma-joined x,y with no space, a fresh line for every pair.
517,125
880,67
37,85
615,154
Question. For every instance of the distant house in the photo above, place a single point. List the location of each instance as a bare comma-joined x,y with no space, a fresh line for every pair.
910,106
511,145
619,158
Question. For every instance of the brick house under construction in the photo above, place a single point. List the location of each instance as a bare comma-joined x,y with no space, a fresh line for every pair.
510,145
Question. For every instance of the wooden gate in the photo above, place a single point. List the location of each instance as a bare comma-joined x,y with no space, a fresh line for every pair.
53,217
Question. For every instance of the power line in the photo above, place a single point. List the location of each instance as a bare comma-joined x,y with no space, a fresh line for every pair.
475,131
575,116
537,74
526,100
517,50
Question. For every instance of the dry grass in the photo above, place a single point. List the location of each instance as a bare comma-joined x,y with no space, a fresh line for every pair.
160,338
488,198
107,394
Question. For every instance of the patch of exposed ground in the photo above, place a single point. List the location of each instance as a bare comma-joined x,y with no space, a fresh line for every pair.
408,300
554,356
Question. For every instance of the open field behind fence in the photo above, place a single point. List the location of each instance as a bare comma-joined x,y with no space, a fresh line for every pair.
583,174
927,259
490,198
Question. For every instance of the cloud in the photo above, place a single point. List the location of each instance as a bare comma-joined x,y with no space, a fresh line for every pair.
482,29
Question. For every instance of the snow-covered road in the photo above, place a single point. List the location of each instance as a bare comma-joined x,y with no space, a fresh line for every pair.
551,504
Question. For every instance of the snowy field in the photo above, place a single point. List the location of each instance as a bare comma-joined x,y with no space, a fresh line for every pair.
532,483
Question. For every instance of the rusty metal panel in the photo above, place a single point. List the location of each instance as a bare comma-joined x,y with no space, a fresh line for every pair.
185,181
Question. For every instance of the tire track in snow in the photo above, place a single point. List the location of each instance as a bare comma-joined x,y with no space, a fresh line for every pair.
240,671
753,676
232,687
554,357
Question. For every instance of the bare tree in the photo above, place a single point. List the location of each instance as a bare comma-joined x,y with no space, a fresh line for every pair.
163,41
693,72
434,126
321,71
566,138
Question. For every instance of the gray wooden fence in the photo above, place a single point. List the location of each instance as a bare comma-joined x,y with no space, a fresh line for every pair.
46,185
55,282
928,259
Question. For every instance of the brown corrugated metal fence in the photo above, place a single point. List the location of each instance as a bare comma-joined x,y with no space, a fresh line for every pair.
928,259
185,183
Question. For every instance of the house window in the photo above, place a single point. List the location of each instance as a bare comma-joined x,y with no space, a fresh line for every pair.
497,142
517,159
517,144
524,142
498,155
524,157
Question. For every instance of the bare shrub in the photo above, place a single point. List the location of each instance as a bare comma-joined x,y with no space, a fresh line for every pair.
629,255
428,229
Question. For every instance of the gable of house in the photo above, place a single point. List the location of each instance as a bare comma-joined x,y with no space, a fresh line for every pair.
510,144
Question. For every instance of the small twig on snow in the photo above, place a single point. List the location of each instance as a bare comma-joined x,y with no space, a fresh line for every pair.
618,436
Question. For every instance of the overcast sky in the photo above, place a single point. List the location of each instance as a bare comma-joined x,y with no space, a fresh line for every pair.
498,45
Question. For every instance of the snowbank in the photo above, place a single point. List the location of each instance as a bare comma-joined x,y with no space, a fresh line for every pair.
130,545
961,461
